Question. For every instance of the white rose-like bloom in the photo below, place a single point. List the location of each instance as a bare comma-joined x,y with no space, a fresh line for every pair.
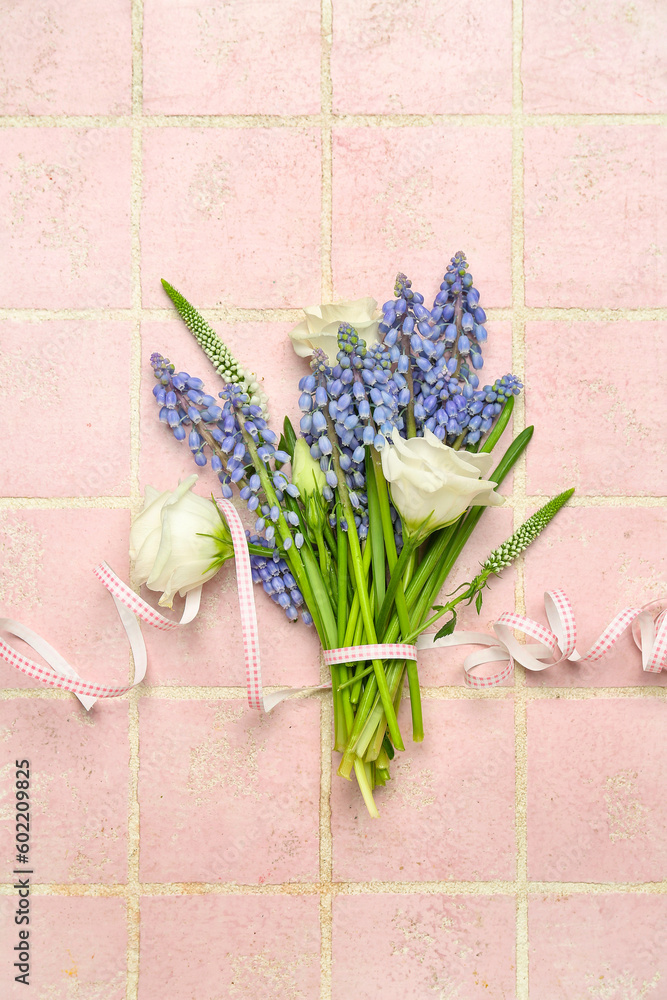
320,327
434,483
178,541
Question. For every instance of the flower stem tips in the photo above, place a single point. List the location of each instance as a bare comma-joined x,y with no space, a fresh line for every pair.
215,350
505,555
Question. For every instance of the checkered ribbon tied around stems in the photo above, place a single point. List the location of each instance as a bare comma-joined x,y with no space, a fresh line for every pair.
554,644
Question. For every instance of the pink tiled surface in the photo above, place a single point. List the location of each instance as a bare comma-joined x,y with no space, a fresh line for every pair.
210,59
621,453
74,59
597,946
594,214
588,58
79,785
596,811
75,357
472,76
423,944
229,946
467,759
227,788
263,157
251,196
85,952
65,218
390,210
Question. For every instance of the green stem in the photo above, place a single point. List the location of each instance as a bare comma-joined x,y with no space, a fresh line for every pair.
364,602
401,605
305,571
397,571
376,528
342,583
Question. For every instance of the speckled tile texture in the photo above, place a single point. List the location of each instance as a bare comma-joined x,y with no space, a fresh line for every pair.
263,156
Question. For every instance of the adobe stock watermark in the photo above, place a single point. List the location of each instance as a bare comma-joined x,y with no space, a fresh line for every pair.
23,872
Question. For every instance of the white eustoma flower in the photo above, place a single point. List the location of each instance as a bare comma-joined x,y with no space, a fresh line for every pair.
432,484
178,541
320,327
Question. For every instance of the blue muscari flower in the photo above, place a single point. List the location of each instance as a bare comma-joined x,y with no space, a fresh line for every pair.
443,349
271,572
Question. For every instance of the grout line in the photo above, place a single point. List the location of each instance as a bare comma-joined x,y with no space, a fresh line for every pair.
519,496
454,692
326,708
238,314
133,500
524,119
133,893
495,887
325,887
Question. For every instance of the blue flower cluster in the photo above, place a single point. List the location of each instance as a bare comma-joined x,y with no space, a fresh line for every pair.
218,429
444,346
272,572
423,374
223,435
358,402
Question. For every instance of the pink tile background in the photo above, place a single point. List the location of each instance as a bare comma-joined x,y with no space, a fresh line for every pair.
87,947
263,157
609,945
203,946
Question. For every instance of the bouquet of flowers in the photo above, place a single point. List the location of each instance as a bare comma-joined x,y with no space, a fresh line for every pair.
362,513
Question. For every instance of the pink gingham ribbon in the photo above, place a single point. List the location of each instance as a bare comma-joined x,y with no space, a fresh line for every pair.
649,635
131,607
375,651
555,644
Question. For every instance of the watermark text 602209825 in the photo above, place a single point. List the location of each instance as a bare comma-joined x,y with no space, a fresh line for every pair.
22,884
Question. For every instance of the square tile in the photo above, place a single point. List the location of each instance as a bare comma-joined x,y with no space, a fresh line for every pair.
607,947
79,787
596,803
207,59
77,947
232,215
600,435
593,204
445,666
397,195
243,786
605,559
584,58
452,798
86,367
447,946
258,947
35,589
470,73
65,218
66,59
210,650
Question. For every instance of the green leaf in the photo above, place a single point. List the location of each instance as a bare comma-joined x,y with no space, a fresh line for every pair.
478,602
388,748
447,628
289,436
